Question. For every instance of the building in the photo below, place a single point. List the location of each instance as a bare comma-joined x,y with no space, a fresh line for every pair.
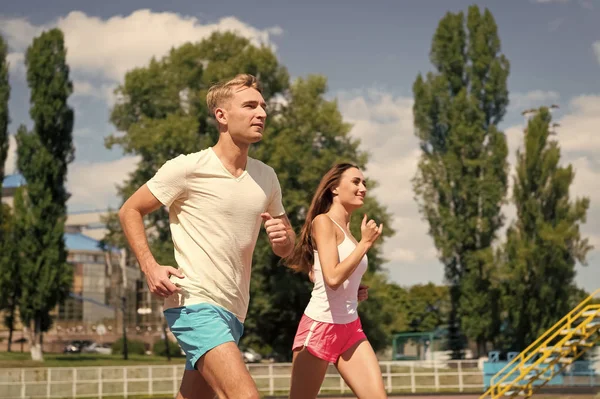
98,284
9,187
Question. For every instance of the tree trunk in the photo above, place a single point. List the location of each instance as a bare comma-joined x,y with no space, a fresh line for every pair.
35,340
454,328
480,347
166,341
11,326
124,309
10,337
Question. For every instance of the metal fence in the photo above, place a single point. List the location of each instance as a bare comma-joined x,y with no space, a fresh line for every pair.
271,379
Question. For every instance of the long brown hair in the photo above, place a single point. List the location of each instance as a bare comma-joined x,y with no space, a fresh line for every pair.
302,258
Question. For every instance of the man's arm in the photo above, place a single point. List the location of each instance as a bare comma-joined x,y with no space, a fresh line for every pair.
131,215
281,234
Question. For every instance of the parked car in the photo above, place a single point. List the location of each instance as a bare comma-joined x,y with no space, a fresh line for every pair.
94,347
251,356
76,346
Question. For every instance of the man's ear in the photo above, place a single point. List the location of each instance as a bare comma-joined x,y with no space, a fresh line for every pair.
221,116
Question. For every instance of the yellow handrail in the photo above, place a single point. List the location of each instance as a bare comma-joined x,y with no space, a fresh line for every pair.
561,368
523,358
560,343
578,311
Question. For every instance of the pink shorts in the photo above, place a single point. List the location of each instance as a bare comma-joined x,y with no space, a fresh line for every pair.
327,341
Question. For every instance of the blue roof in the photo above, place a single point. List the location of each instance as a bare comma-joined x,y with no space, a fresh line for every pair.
80,242
82,212
13,181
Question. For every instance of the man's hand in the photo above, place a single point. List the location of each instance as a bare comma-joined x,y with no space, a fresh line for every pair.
280,233
363,292
276,229
157,277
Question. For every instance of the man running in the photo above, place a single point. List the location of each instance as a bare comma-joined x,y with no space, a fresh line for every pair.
217,199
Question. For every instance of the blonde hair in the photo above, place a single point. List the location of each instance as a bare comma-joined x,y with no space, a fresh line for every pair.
223,91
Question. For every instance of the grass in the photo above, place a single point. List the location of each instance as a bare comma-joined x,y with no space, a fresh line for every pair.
18,359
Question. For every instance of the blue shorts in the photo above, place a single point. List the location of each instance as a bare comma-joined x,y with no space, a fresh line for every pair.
202,327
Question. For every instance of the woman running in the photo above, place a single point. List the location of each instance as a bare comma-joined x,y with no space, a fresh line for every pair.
330,330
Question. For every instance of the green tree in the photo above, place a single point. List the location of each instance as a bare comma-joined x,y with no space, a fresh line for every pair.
545,242
427,307
4,117
461,181
7,261
9,271
4,121
43,156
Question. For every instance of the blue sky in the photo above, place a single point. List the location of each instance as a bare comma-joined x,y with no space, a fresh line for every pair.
370,52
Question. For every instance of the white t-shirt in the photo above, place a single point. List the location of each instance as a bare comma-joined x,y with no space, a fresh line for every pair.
215,221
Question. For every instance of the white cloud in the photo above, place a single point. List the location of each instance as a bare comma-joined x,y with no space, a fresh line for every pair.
93,184
11,160
83,88
577,125
587,4
586,183
18,31
532,99
551,1
102,91
402,255
107,49
16,63
578,129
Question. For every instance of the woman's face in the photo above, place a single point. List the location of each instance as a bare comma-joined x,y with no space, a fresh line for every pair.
352,189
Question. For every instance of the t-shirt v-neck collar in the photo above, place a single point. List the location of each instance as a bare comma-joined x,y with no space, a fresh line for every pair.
240,177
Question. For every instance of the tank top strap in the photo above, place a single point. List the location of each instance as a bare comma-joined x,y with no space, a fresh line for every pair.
336,223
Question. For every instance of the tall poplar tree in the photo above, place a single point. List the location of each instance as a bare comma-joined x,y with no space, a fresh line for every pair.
461,181
545,242
43,155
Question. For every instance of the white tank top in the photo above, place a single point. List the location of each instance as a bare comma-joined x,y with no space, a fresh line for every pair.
336,306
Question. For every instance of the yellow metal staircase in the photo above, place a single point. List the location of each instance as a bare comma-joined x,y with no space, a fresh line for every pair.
550,354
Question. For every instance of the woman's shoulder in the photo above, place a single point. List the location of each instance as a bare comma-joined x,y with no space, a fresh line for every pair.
323,222
324,226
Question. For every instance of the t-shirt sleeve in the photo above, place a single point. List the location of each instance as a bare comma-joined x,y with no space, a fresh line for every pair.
169,182
275,205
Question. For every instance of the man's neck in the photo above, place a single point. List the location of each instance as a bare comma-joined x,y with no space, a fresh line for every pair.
233,156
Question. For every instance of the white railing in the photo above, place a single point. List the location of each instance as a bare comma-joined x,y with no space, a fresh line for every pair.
271,379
